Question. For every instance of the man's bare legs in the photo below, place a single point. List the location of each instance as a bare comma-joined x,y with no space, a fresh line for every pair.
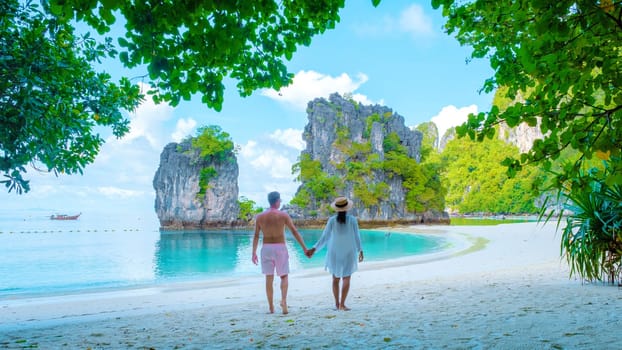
270,292
284,286
340,303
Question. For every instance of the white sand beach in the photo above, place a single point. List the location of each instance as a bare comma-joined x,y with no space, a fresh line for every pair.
503,287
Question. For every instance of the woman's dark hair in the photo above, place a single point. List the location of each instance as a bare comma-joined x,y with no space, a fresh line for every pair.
341,217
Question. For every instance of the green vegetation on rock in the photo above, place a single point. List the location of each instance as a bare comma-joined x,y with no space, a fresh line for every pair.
248,209
364,171
478,183
318,187
213,145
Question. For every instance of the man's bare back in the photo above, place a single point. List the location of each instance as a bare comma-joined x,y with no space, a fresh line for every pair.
272,224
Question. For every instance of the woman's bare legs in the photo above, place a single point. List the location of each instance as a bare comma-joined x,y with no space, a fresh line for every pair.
345,288
340,303
336,291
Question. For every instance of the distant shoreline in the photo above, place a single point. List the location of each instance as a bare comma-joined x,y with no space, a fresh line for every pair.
300,223
477,220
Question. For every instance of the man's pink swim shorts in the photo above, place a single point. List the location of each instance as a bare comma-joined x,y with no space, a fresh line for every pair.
274,256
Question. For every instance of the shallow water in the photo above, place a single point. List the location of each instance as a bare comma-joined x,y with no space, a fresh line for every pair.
42,256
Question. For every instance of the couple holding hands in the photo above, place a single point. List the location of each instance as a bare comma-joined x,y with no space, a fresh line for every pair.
340,236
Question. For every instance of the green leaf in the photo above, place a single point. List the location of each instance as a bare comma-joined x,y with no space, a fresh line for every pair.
123,42
123,57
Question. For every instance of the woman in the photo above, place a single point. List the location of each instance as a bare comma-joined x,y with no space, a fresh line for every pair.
343,241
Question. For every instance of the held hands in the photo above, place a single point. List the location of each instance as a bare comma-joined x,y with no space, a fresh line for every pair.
361,256
309,253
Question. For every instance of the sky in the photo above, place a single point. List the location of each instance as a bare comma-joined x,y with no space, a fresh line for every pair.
396,55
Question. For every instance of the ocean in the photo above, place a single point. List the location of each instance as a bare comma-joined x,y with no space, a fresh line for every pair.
39,256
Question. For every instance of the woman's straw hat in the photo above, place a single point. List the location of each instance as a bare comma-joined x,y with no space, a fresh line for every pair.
342,204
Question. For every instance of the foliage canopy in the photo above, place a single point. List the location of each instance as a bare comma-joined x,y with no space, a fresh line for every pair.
559,60
52,98
190,47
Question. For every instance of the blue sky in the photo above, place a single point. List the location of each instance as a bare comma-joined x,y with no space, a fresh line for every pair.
395,54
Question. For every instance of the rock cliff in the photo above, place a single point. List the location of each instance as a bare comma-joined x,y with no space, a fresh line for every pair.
177,185
338,126
522,136
449,135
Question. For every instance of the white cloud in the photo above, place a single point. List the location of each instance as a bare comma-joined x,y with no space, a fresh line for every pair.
183,128
290,138
248,150
451,116
415,22
125,162
309,85
270,156
131,162
286,188
364,100
147,122
278,166
266,165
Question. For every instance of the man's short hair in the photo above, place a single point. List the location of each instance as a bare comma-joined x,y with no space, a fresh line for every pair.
273,197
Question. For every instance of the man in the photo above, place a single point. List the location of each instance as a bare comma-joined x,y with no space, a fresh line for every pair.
274,256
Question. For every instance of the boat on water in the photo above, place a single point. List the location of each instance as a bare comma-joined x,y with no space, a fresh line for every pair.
65,217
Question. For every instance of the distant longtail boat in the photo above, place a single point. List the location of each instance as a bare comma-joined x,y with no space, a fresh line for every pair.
65,217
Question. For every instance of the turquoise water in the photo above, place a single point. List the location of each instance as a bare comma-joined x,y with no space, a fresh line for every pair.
42,256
